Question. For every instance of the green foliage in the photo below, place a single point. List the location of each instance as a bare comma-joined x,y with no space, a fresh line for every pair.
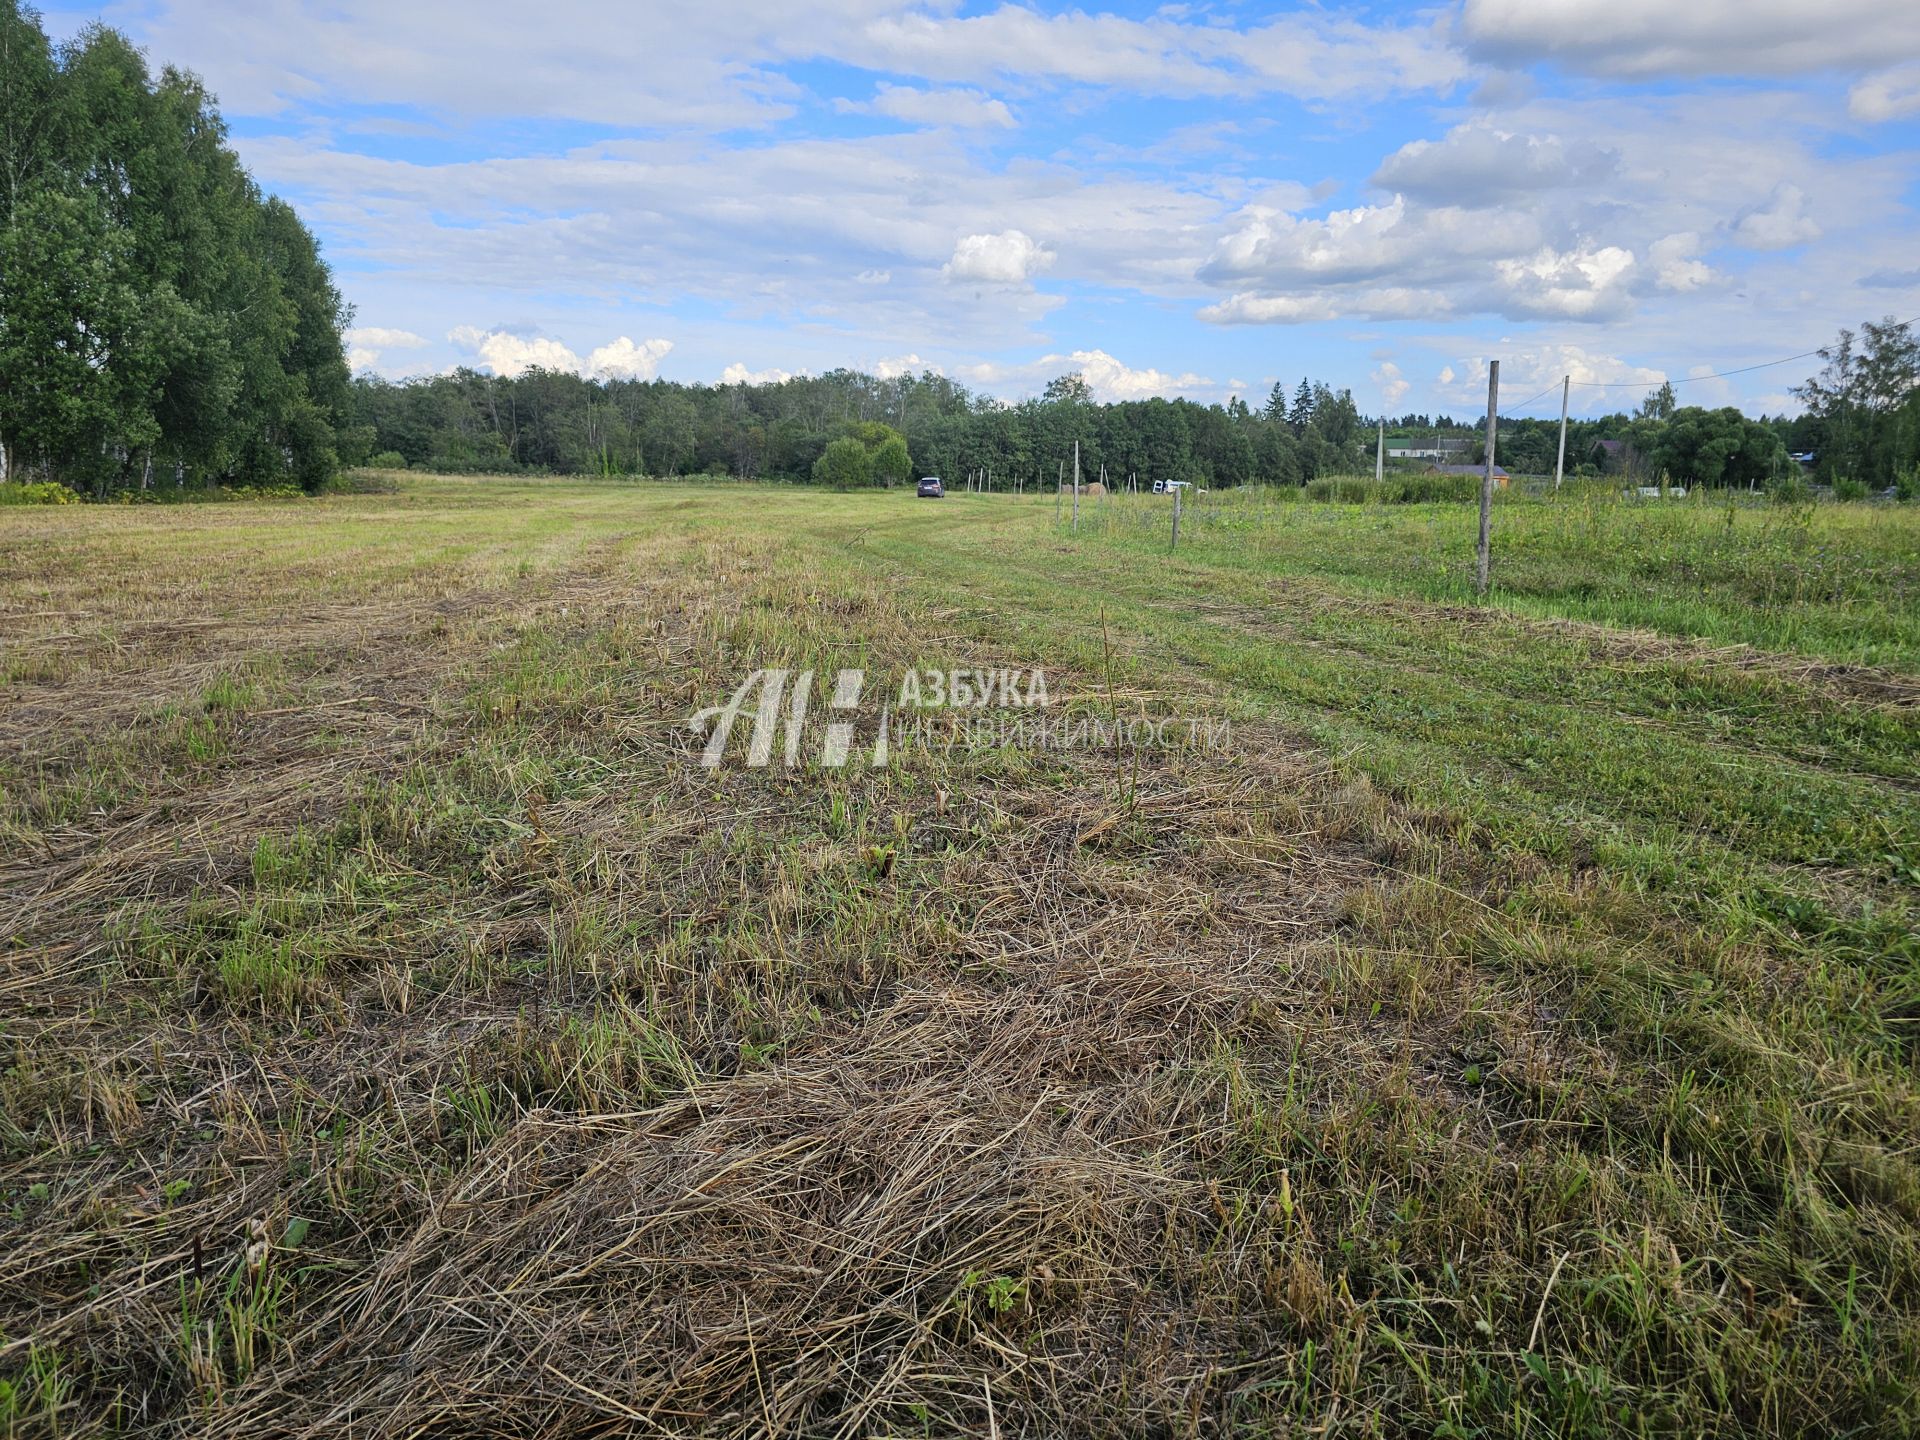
1419,489
562,424
1714,447
1790,489
544,422
891,465
1863,408
1847,488
843,465
868,453
1068,390
1410,489
162,323
37,492
388,460
1350,489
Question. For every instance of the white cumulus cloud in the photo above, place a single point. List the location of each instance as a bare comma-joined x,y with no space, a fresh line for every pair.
505,353
1599,381
1107,377
1675,263
1580,284
367,344
624,360
1367,242
1393,385
893,367
738,374
1479,164
1782,221
1011,257
385,339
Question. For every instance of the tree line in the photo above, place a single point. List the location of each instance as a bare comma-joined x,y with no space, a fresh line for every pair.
561,423
847,428
162,321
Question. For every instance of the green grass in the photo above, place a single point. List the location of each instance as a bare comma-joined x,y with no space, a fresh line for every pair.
1839,582
1512,1032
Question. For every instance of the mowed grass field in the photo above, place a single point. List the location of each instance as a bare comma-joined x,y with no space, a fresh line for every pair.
1511,1029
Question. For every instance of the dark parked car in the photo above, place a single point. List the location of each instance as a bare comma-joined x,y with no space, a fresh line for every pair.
930,488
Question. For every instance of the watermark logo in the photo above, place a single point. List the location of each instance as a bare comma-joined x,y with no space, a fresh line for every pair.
936,710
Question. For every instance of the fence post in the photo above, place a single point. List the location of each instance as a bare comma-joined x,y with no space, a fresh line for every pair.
1486,483
1076,487
1560,465
1176,518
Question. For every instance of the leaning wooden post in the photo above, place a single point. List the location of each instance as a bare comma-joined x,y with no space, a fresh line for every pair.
1176,518
1486,483
1560,465
1380,455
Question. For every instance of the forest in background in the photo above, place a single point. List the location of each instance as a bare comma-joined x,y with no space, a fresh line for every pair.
1861,421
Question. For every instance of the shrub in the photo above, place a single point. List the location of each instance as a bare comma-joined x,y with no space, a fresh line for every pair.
1849,489
1789,490
37,492
1345,489
890,462
1395,489
1907,486
388,460
265,492
1427,489
844,465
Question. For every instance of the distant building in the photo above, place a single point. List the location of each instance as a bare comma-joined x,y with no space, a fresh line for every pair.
1445,447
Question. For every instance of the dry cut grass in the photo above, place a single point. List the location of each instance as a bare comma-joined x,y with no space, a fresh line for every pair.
405,1036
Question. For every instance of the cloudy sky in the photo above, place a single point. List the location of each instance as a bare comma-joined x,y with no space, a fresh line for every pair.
1184,199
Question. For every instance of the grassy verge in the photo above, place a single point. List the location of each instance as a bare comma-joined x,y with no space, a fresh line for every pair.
1510,1032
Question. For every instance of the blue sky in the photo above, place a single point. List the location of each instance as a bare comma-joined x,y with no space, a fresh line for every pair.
1182,199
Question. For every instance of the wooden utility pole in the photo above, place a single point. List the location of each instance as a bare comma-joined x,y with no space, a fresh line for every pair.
1380,454
1076,487
1486,483
1560,465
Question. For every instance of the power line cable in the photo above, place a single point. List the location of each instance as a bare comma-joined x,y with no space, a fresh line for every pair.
1507,410
1717,375
1524,403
